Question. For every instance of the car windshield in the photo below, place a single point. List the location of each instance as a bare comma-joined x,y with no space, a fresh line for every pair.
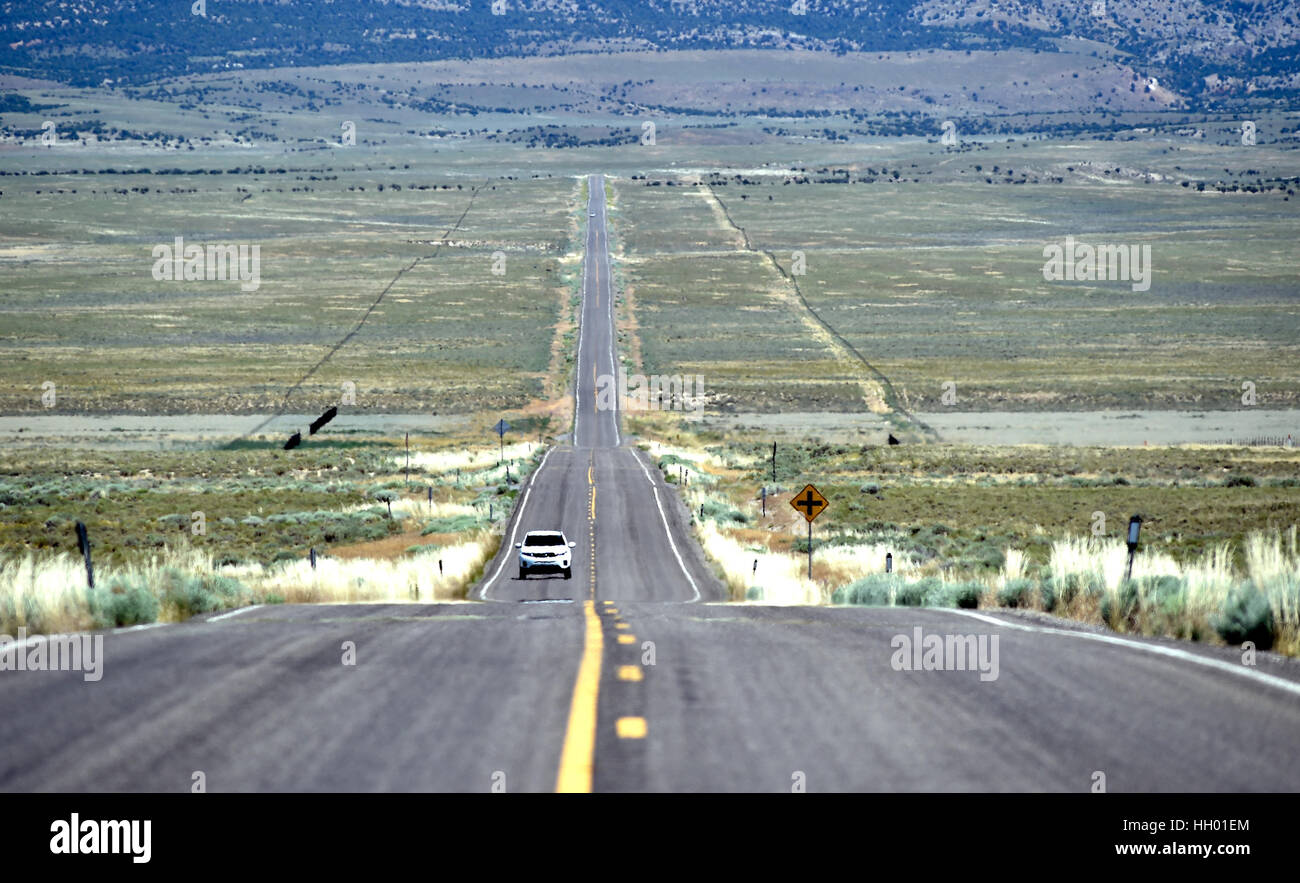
544,539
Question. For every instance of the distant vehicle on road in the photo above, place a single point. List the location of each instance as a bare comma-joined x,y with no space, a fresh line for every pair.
591,214
545,551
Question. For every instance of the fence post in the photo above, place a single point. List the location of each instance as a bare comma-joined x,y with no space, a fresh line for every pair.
83,545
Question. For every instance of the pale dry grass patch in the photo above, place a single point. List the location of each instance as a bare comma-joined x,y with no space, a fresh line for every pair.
49,594
46,594
1273,565
1101,561
779,575
702,461
1015,566
411,578
464,459
782,576
422,509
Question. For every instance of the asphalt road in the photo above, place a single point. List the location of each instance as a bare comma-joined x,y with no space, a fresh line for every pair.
633,676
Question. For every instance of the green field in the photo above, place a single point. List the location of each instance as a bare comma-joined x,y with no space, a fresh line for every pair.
806,251
83,310
941,280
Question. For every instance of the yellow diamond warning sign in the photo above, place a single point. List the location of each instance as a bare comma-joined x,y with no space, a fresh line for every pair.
809,502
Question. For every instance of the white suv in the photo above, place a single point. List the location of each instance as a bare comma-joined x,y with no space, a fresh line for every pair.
543,551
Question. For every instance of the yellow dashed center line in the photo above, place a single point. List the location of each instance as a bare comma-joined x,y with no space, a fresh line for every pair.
627,639
591,520
629,673
631,727
579,754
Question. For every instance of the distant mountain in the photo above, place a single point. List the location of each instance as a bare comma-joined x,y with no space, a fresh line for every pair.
1200,48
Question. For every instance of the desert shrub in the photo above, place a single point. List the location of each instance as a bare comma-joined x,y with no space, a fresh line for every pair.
1245,616
919,593
192,594
450,524
988,555
1016,593
1238,480
1164,592
1047,596
872,591
124,601
965,595
720,511
372,532
1118,607
1094,585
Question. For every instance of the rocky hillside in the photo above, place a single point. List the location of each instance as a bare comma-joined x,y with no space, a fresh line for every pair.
1201,48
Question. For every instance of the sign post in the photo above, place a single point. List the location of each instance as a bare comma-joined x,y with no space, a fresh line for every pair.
1134,528
810,503
83,546
501,429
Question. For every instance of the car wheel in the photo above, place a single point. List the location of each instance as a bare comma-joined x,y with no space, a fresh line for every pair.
568,573
522,574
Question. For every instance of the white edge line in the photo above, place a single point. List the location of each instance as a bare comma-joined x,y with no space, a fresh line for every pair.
36,639
667,530
514,531
609,291
1158,649
235,612
582,324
